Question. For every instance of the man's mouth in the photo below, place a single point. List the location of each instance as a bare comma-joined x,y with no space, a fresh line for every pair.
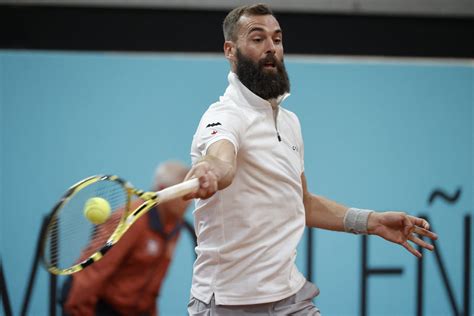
269,65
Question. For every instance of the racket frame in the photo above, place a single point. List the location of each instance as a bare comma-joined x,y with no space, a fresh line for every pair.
150,199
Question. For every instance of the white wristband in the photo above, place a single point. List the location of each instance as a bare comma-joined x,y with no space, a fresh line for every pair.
355,220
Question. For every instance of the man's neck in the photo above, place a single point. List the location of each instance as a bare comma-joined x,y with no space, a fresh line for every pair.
274,104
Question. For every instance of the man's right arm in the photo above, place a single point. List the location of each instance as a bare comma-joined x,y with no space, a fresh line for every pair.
215,170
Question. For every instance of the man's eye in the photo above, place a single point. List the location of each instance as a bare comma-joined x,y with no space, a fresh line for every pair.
277,40
257,40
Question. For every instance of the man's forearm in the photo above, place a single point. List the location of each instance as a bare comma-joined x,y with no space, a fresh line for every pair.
324,213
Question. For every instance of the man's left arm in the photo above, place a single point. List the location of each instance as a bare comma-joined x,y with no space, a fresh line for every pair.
397,227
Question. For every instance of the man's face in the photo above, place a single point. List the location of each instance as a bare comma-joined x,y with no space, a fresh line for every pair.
259,56
258,37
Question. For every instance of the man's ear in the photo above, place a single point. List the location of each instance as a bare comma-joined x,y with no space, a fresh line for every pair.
230,51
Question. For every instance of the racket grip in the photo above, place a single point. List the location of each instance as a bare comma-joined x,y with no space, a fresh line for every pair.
178,190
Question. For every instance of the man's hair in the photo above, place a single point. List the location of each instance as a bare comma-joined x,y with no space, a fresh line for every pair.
232,19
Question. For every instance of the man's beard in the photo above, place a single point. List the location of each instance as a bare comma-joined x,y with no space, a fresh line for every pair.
265,84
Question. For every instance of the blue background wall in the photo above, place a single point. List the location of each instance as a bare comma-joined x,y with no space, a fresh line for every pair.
379,134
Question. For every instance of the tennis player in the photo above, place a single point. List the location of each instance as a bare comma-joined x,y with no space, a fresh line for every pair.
253,203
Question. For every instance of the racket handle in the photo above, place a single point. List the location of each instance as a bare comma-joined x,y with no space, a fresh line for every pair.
178,190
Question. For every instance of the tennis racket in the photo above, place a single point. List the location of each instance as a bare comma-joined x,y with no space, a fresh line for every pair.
71,241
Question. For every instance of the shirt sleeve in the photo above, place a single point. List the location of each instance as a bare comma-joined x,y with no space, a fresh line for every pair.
216,124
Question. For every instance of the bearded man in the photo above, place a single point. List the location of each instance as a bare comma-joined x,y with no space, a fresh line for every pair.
253,204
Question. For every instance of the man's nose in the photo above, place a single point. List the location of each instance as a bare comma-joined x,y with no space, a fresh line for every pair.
270,46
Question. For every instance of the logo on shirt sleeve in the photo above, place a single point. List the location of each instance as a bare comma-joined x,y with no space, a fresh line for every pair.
213,124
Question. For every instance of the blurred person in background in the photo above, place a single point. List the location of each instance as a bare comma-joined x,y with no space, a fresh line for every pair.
128,280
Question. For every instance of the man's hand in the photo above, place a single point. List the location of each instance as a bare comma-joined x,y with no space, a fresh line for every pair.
400,228
215,170
208,182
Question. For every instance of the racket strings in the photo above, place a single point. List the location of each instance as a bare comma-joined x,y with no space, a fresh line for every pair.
71,237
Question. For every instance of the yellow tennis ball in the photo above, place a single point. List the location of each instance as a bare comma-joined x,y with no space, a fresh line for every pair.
97,210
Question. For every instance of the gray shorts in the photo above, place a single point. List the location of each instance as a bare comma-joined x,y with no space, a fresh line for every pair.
297,304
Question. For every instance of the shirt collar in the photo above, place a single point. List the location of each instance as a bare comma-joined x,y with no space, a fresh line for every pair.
237,89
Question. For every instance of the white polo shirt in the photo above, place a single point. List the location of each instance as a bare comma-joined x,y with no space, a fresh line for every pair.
248,233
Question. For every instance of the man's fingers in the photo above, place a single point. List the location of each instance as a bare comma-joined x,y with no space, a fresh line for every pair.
207,181
422,227
203,182
408,226
420,222
409,247
420,242
426,233
207,185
